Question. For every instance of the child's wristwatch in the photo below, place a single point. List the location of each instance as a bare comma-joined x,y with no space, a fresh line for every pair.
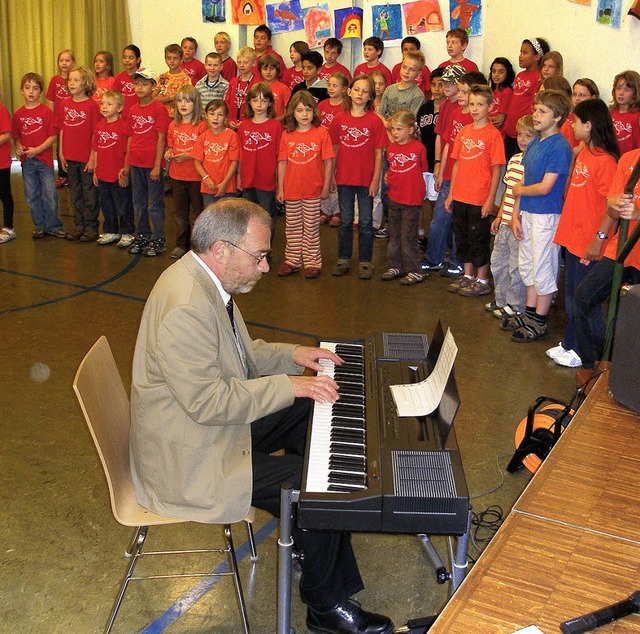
602,235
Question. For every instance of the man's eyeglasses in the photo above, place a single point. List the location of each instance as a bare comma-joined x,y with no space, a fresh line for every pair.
257,258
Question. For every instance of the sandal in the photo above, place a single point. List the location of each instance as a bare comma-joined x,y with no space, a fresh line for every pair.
391,274
412,278
530,331
7,234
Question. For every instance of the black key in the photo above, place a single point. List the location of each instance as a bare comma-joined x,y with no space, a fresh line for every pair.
349,450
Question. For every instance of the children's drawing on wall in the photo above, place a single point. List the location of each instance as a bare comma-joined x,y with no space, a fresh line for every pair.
466,15
634,9
213,11
247,11
422,16
586,2
348,22
387,21
285,16
609,12
317,25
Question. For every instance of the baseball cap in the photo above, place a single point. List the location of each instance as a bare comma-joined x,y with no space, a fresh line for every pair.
146,73
452,73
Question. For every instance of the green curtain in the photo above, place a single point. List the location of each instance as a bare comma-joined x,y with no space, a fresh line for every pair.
33,32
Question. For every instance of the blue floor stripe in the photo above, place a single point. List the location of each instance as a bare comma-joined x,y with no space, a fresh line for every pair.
192,596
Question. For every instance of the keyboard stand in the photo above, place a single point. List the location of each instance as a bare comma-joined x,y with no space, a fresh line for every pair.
289,496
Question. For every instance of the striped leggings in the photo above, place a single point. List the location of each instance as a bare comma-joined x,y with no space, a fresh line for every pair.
302,230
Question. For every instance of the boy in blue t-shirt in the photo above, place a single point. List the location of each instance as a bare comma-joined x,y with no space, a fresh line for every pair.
546,167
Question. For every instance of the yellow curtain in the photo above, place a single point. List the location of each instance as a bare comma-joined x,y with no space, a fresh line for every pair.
33,32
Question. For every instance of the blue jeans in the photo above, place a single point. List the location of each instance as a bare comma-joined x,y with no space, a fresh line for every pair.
41,195
588,317
210,199
574,273
439,230
347,199
266,200
117,208
148,202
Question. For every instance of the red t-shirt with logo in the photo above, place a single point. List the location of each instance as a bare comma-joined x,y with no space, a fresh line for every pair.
110,144
524,89
292,77
363,69
5,148
328,112
357,139
77,122
477,150
215,152
146,122
229,69
325,73
259,144
57,92
124,83
181,137
194,69
406,164
32,127
305,153
627,127
456,121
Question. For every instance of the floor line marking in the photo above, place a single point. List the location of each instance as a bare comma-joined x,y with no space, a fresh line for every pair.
192,596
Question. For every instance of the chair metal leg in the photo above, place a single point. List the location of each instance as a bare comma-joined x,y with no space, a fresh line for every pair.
133,552
252,541
233,564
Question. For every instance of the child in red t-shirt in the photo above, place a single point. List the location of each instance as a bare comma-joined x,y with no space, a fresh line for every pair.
190,65
108,153
337,86
259,137
372,49
222,44
240,85
144,164
359,139
625,110
478,152
293,76
407,159
77,120
216,154
103,74
182,135
124,81
269,69
305,162
34,131
57,93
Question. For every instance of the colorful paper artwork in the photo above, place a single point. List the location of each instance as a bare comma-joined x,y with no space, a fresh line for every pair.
285,16
634,9
387,21
213,11
317,25
422,16
609,12
348,22
466,15
586,2
247,11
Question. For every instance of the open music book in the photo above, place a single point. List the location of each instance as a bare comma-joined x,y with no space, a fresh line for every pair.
420,399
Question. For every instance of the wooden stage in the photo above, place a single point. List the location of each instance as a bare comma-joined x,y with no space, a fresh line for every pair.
571,543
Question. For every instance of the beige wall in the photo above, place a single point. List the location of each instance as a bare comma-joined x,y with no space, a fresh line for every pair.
589,49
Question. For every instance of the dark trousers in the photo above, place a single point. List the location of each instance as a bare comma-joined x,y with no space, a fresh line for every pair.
84,196
117,207
403,252
188,206
472,233
6,197
589,323
329,569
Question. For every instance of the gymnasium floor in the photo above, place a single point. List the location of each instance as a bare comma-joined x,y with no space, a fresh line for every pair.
62,556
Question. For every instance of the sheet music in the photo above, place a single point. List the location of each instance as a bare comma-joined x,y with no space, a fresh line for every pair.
420,399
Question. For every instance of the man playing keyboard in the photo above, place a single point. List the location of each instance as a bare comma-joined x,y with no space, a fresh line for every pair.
210,405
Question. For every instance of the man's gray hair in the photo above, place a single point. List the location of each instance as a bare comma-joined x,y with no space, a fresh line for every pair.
226,220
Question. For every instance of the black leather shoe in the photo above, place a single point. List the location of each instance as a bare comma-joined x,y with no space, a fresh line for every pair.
348,618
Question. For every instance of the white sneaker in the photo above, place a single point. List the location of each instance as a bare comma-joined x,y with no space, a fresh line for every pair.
125,241
569,359
108,238
7,234
554,352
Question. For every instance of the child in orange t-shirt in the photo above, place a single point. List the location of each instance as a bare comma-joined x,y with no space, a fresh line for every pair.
305,164
216,154
182,135
478,152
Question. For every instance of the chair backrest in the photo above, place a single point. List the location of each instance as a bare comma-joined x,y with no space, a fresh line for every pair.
105,406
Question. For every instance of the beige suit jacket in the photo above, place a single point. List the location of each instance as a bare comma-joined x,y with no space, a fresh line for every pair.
192,403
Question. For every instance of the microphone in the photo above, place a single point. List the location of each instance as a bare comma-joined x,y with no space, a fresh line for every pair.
591,621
